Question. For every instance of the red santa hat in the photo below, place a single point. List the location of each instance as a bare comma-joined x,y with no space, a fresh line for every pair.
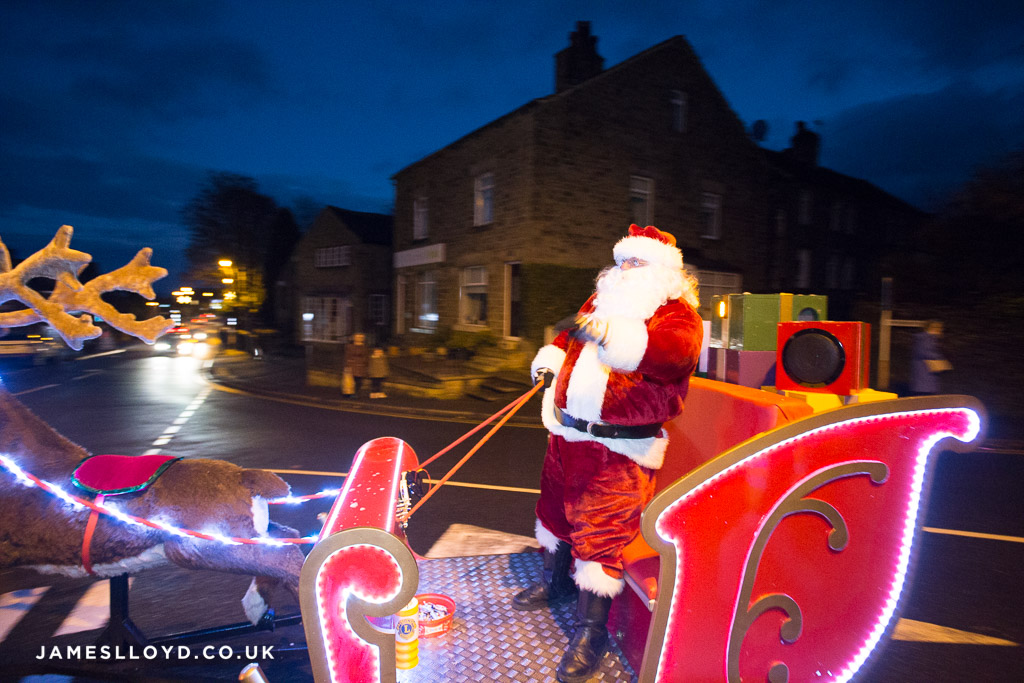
651,245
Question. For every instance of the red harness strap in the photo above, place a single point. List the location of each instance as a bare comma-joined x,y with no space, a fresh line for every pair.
90,527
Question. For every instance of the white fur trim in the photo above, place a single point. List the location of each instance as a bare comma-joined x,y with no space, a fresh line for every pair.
626,344
588,382
644,452
591,577
547,540
648,249
550,357
253,604
260,515
147,559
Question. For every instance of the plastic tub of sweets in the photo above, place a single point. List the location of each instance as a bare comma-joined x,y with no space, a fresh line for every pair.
436,614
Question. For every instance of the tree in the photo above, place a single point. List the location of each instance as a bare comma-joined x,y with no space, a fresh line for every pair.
284,235
231,219
978,245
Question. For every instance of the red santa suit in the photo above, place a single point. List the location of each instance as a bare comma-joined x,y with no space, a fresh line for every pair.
594,483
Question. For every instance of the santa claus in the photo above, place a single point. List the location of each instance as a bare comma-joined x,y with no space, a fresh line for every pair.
612,381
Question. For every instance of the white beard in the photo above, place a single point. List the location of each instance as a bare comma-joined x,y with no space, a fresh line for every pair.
636,293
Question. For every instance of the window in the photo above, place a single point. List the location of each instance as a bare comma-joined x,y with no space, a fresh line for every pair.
483,199
473,296
832,272
716,282
378,309
710,218
641,196
332,257
850,224
426,302
325,318
804,210
835,221
420,224
677,105
803,269
847,275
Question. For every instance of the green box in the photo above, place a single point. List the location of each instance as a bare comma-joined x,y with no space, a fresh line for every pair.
751,321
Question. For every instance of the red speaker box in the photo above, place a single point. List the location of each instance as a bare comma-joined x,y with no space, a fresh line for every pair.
823,356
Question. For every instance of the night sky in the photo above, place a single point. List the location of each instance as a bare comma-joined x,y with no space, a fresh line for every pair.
113,113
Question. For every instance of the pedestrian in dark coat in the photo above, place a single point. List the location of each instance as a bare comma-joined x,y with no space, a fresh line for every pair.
927,360
357,357
378,372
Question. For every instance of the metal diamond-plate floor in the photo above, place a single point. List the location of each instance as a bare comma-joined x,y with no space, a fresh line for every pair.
489,640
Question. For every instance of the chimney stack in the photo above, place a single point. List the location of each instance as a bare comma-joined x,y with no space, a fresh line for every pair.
804,145
579,61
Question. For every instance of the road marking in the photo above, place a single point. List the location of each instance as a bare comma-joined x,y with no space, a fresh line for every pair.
312,473
380,411
29,391
489,487
923,632
466,540
92,611
178,423
461,484
15,605
973,534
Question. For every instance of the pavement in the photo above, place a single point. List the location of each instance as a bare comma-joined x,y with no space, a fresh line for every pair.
284,378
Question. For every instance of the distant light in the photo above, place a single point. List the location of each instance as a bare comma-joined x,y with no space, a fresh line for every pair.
227,280
152,303
306,317
224,263
188,290
207,293
232,321
184,299
721,308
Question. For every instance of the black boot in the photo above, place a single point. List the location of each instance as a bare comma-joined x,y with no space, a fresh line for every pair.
583,658
555,584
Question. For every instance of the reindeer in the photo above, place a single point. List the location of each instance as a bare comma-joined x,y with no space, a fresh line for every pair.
41,531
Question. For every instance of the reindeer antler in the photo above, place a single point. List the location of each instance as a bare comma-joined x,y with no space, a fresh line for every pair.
63,264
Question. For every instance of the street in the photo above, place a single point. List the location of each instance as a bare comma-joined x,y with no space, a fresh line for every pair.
960,615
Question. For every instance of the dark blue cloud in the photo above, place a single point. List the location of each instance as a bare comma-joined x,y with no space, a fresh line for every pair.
114,112
920,147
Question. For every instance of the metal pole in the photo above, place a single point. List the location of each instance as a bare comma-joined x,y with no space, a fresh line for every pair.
884,334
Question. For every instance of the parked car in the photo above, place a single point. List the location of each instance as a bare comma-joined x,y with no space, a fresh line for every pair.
35,344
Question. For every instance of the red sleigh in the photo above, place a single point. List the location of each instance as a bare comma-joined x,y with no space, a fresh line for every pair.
777,548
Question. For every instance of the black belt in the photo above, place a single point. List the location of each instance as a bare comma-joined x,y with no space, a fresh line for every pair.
607,431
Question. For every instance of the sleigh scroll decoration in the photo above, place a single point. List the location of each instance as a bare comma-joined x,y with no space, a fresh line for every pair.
785,557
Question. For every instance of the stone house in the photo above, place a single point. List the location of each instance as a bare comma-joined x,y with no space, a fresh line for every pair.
341,282
832,234
501,233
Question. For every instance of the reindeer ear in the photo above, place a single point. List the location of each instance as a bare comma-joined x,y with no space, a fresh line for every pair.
264,484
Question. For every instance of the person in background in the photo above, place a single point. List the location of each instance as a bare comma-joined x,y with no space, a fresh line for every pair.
612,381
927,361
378,371
357,357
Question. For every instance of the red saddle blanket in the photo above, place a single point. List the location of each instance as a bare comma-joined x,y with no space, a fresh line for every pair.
114,474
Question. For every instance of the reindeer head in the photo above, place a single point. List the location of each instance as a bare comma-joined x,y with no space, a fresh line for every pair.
62,264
